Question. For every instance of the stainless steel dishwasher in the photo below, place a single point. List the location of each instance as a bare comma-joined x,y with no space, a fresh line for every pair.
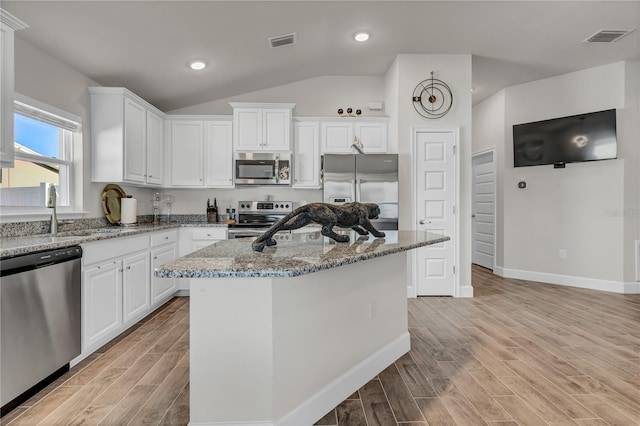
40,304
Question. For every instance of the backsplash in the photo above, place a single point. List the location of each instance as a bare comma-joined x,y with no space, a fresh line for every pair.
36,227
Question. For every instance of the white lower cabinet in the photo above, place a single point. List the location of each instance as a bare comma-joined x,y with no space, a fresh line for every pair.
162,288
101,303
118,286
136,288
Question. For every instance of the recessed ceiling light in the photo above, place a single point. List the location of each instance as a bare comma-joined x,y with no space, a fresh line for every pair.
197,65
361,36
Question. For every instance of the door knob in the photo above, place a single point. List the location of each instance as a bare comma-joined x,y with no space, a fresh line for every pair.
473,215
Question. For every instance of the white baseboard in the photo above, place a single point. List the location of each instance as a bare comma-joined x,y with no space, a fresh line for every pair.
465,291
632,288
568,280
181,293
335,392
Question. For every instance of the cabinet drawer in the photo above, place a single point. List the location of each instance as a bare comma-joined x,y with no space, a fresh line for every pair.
164,237
115,247
209,234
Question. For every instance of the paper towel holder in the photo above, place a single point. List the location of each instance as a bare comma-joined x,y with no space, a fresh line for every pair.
134,212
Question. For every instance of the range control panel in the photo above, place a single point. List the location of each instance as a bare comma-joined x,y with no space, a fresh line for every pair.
265,206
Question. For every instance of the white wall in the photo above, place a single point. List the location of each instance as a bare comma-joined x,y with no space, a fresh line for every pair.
44,78
570,208
489,132
314,97
455,70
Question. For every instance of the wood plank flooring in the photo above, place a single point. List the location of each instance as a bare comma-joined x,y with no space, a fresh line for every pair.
519,353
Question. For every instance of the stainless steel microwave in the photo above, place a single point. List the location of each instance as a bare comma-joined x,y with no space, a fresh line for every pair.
262,168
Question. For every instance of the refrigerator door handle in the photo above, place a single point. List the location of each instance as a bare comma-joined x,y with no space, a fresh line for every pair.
357,198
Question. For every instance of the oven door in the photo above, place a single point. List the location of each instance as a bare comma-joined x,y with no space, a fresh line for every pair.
256,172
262,168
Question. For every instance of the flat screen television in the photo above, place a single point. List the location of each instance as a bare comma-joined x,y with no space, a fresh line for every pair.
583,137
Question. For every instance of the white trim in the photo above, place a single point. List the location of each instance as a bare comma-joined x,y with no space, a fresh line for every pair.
335,392
637,259
570,281
491,150
10,20
457,290
49,109
182,293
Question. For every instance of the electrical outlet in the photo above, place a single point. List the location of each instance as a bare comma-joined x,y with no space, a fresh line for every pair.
563,253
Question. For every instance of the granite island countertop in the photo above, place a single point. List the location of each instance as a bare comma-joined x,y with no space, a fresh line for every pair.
303,253
11,246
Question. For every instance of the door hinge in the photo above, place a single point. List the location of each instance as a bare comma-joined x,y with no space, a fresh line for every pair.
454,269
454,209
454,149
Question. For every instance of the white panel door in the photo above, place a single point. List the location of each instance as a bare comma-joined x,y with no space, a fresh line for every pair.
483,220
187,162
102,302
162,288
135,139
218,154
435,211
136,287
336,137
155,151
373,137
247,129
306,155
276,132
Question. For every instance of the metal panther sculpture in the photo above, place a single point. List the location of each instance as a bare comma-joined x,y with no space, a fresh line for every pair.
356,216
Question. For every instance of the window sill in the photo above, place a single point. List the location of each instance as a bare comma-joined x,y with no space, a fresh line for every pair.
22,214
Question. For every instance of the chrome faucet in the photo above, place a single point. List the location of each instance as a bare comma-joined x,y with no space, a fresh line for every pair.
51,203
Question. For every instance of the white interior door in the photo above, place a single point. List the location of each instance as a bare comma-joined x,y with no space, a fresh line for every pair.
483,216
435,185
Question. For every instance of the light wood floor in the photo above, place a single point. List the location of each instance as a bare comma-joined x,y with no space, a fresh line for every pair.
518,353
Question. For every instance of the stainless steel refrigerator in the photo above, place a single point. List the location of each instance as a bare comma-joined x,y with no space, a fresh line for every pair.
367,178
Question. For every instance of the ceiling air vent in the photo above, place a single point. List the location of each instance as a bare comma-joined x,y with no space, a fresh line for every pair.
607,36
282,40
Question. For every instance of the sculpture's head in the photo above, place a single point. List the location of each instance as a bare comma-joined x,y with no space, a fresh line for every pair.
374,210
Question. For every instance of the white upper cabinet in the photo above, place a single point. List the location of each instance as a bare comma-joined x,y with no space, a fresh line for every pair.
218,154
8,24
201,151
155,149
127,138
373,135
338,135
135,138
187,153
306,169
262,127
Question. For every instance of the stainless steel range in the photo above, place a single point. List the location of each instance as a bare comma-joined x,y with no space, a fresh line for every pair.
254,217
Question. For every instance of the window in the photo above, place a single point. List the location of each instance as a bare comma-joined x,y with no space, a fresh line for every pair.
43,148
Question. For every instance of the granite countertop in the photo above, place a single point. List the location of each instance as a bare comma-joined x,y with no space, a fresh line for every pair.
11,246
299,254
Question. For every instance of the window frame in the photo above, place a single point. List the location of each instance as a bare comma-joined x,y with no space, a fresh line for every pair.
71,155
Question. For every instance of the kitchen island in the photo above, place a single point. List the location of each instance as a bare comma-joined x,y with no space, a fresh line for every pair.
283,336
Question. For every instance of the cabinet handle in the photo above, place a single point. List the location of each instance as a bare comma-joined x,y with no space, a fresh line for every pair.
166,238
155,257
120,270
128,267
150,175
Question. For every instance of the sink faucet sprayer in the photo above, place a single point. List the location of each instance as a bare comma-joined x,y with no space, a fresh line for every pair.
51,203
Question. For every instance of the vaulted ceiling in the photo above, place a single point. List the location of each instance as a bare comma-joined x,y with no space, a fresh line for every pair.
146,45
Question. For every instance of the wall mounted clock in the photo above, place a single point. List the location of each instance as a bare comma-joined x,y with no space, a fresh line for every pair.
432,98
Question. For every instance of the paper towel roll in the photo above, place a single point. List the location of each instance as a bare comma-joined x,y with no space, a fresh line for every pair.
128,207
